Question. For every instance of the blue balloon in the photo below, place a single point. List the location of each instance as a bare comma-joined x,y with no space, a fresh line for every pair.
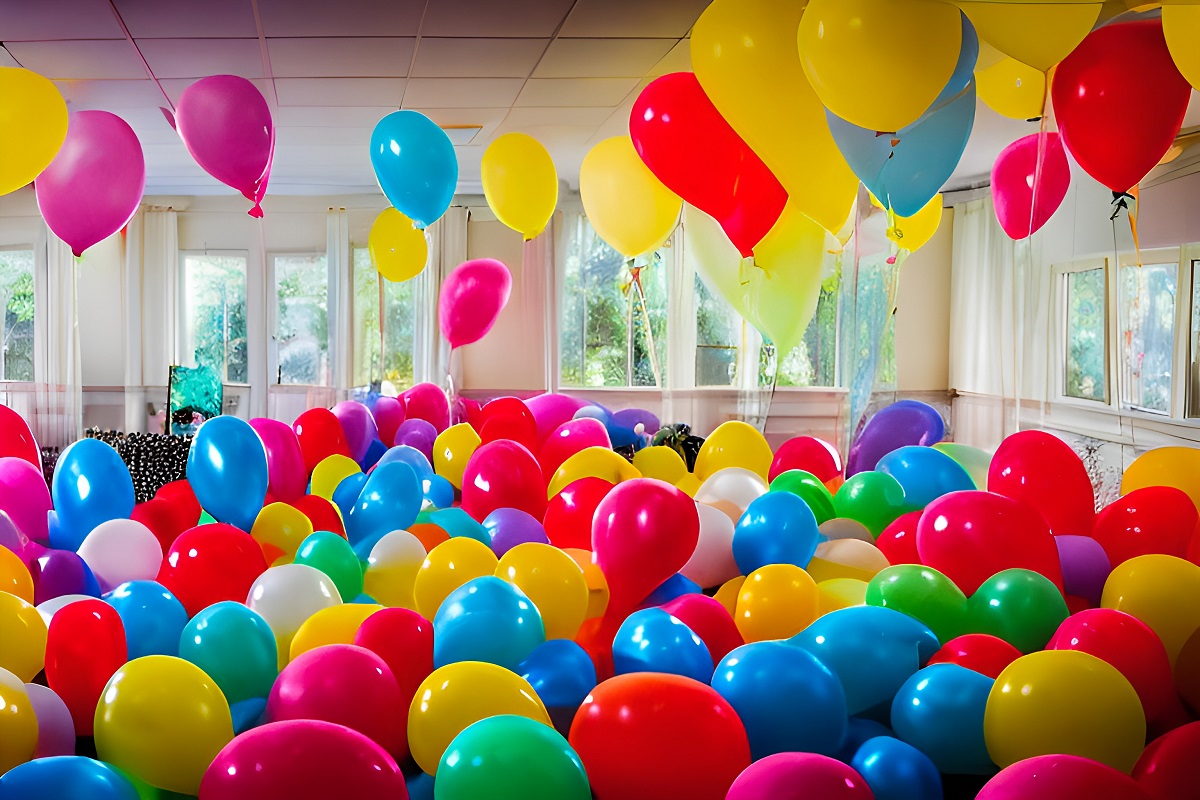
964,69
415,165
776,528
227,468
375,451
235,647
153,618
390,500
675,586
486,619
438,491
925,474
364,546
897,771
859,730
939,711
347,492
65,778
419,785
872,653
787,699
651,640
407,454
248,714
907,175
561,672
457,522
91,485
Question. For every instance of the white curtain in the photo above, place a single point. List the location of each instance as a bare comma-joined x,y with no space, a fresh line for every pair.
59,378
341,296
538,294
447,249
150,276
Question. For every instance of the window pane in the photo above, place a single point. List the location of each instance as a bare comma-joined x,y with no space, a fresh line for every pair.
1147,303
399,301
718,335
813,362
16,292
1086,376
1193,402
214,314
302,319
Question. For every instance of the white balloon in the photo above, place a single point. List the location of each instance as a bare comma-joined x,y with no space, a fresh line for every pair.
712,563
49,608
842,528
731,485
121,550
56,728
287,595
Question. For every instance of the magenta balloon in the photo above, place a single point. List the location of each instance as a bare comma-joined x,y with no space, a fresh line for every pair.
552,410
472,297
25,496
428,402
226,125
94,185
358,425
568,439
287,477
1061,777
799,776
389,416
1030,178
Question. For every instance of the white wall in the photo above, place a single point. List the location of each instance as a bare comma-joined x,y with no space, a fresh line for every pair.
923,314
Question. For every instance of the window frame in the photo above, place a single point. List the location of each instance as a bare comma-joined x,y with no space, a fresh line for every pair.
1060,274
181,321
273,367
38,333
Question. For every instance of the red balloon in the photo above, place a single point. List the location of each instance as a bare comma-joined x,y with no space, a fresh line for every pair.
1187,673
568,439
690,147
180,493
569,513
464,409
85,645
596,636
709,620
1042,470
1061,777
389,415
810,454
428,402
503,474
644,531
404,640
646,736
164,519
16,440
1120,101
1153,519
898,541
1167,769
320,436
800,776
970,536
211,563
321,513
980,652
507,418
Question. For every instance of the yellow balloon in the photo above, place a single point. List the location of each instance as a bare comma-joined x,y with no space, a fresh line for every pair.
775,602
398,248
163,720
1165,466
22,637
840,593
913,233
392,569
975,461
1037,34
1012,89
1180,24
744,55
279,530
689,484
1163,592
592,462
594,579
447,567
727,595
850,53
18,723
1064,701
452,449
14,577
847,558
329,473
333,625
458,695
629,207
553,581
661,463
734,444
520,183
33,126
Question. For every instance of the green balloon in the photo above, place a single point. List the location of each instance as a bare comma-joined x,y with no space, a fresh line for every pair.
807,487
873,498
235,646
975,461
334,556
509,757
924,594
205,518
1020,606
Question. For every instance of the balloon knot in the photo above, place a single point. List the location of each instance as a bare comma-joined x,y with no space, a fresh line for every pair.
256,212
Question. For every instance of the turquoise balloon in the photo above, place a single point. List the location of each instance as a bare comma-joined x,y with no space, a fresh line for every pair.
457,522
406,454
227,469
334,556
925,474
651,640
415,165
486,619
91,485
939,711
66,778
153,618
964,69
507,757
347,492
235,647
776,528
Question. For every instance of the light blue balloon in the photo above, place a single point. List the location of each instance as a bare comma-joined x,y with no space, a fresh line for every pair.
787,699
248,714
939,710
91,485
438,492
486,619
560,672
407,454
415,165
457,522
347,492
153,618
651,640
897,771
235,647
227,469
925,474
390,500
908,175
776,528
65,778
964,69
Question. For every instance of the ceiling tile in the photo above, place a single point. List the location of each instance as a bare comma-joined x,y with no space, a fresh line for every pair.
576,91
150,125
298,136
220,19
338,92
602,58
111,95
526,119
461,92
667,19
331,117
199,58
42,20
477,58
487,18
318,57
175,86
343,17
99,59
678,60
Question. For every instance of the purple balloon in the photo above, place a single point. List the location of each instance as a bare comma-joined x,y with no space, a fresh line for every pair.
552,410
418,434
25,496
11,536
358,425
631,417
62,572
1085,566
906,422
509,527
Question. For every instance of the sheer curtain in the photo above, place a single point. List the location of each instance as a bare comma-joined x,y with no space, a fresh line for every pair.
447,249
149,274
538,295
58,391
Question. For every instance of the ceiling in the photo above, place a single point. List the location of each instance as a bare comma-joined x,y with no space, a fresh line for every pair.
564,71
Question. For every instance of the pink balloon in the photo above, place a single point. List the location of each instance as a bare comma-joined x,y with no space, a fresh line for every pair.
94,185
359,426
1027,193
1061,777
503,474
287,477
799,776
552,410
226,125
389,415
472,297
25,496
568,439
428,402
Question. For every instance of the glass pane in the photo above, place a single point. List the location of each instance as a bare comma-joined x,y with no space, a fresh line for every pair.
813,362
16,292
1147,304
1087,376
302,319
718,335
1193,402
399,329
214,314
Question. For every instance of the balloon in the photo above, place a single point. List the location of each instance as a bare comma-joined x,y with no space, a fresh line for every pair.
914,232
211,563
1029,181
390,499
924,474
333,625
16,440
153,619
1013,89
56,729
980,652
94,186
1179,23
358,426
808,454
472,297
896,771
553,581
1093,96
334,556
924,594
451,451
661,463
709,620
415,164
734,444
1161,591
570,438
14,576
898,541
448,566
905,422
1040,469
25,497
520,183
287,475
651,640
508,527
60,572
85,645
561,672
1039,35
503,474
1085,567
35,127
23,632
651,735
392,569
91,485
627,205
18,725
591,462
509,758
398,248
121,550
777,528
279,530
568,520
286,596
508,418
712,562
796,776
235,647
428,402
227,468
876,499
320,435
1166,767
940,711
1020,606
66,777
404,640
487,619
1152,519
1061,777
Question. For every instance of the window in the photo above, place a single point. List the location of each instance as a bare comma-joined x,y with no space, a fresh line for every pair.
1086,318
213,313
1146,303
399,304
301,319
16,293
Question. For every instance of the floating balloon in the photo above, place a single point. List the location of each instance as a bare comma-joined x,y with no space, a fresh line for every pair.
1029,181
914,232
520,183
415,164
398,248
35,127
1037,34
627,205
472,297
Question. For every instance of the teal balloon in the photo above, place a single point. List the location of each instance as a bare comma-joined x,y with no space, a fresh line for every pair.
508,757
776,528
415,164
235,647
486,619
227,469
651,640
457,522
66,778
334,556
389,501
153,618
91,485
406,454
925,474
964,68
939,711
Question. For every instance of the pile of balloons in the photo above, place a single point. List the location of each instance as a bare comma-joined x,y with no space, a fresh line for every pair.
376,603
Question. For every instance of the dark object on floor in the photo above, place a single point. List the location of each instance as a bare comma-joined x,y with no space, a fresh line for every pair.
153,459
679,438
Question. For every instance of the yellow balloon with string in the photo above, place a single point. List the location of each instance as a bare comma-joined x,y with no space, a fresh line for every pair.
520,183
397,248
913,233
1037,34
1012,89
630,209
33,126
